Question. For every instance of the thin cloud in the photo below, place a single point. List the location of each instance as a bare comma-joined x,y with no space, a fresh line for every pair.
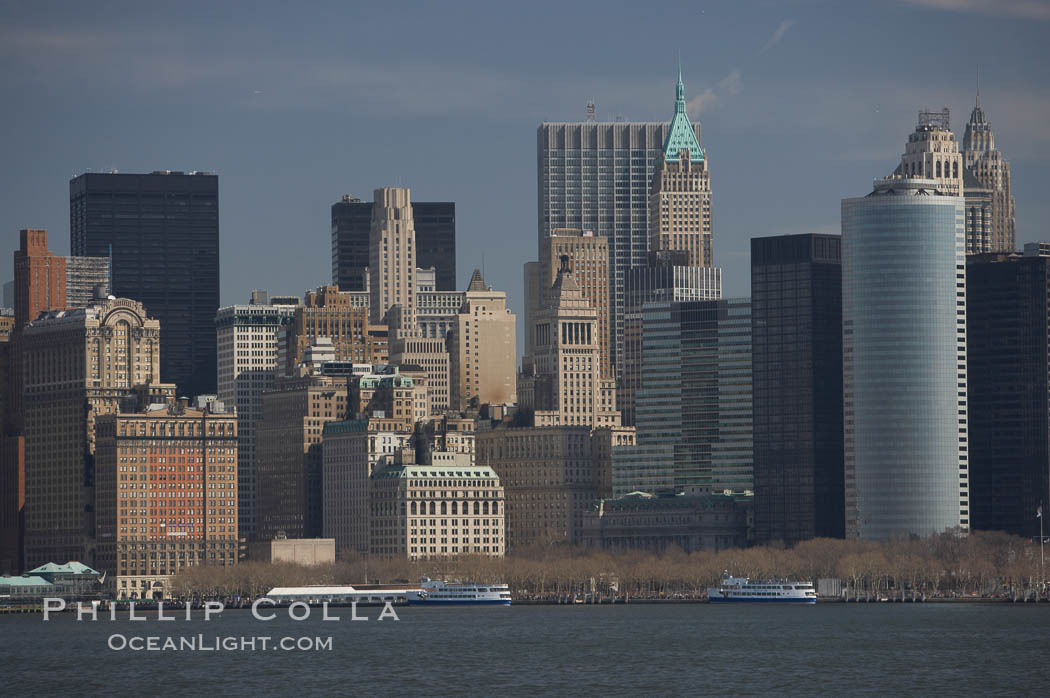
1018,9
777,35
711,97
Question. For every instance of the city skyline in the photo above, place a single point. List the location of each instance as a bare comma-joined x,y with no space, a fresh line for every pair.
752,83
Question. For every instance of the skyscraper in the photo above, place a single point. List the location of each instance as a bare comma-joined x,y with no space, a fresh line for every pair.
991,223
904,359
933,153
87,279
246,337
78,364
1008,342
693,406
435,223
40,278
597,176
564,385
161,231
392,258
680,203
796,356
482,349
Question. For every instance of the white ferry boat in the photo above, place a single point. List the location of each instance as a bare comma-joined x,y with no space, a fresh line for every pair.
742,590
439,593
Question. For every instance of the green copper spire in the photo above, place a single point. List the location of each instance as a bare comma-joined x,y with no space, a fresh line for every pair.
681,134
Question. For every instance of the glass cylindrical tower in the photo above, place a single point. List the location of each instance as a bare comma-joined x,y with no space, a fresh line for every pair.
904,360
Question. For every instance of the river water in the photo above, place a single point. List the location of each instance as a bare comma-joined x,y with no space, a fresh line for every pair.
834,649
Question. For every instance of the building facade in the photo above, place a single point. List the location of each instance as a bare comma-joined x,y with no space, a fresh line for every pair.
330,312
680,203
597,176
991,219
246,339
693,416
166,496
796,359
392,257
161,233
435,224
1007,350
40,278
87,280
933,153
443,508
482,349
78,364
904,360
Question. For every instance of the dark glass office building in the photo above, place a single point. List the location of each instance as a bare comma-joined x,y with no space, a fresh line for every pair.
161,231
1008,349
796,316
435,223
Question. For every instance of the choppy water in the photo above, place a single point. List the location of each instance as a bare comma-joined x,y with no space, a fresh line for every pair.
582,650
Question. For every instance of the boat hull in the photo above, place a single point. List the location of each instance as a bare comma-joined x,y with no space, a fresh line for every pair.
459,602
786,600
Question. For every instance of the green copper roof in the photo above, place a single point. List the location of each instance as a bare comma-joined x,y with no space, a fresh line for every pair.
72,567
681,134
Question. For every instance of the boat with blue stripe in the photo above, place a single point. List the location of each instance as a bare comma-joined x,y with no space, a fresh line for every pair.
743,590
440,593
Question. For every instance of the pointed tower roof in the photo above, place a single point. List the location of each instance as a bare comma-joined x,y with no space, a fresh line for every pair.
681,134
566,293
477,282
977,115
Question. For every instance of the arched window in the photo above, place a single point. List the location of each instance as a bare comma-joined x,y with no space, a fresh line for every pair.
485,508
432,508
955,169
444,507
938,168
477,508
413,507
495,508
455,509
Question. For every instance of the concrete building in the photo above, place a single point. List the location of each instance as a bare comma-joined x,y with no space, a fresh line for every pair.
693,413
329,312
933,153
430,355
390,394
588,256
564,384
288,456
78,364
597,176
40,278
246,339
87,278
445,507
1007,345
392,257
550,476
351,451
991,219
435,224
690,522
300,551
161,231
680,202
436,312
482,349
904,358
796,359
187,517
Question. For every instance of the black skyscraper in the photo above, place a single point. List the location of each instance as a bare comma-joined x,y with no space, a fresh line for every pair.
162,230
796,316
435,224
1008,390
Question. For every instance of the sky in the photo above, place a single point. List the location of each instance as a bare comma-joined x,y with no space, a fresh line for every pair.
295,104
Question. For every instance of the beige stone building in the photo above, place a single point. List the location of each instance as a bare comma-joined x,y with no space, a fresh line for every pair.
392,257
564,384
288,459
991,219
329,312
298,551
351,452
551,477
78,364
444,508
431,355
399,396
482,349
166,496
588,256
933,153
680,195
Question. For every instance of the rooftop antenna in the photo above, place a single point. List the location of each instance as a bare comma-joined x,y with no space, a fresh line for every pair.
591,115
978,84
